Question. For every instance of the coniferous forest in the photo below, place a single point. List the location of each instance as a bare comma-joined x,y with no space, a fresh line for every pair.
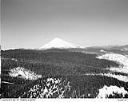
64,74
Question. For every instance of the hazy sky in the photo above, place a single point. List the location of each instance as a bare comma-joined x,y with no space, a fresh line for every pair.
33,23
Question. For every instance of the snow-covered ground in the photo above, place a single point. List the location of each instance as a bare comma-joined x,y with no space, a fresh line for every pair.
24,73
103,51
56,87
118,58
51,87
106,91
6,82
120,69
118,77
123,68
14,59
124,49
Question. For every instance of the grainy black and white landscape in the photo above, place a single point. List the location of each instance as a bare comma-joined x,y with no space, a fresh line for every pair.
64,73
64,49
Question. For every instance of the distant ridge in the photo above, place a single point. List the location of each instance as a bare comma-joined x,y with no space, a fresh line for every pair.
59,43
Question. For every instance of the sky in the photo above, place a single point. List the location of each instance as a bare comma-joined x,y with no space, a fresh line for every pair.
33,23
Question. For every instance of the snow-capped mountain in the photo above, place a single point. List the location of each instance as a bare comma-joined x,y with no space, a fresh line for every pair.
59,43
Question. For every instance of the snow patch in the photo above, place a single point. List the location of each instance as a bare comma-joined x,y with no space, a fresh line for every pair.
119,58
14,59
102,51
106,91
118,77
49,88
24,73
121,70
5,82
124,49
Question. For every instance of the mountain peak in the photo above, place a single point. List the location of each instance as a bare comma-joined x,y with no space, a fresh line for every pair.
57,39
59,43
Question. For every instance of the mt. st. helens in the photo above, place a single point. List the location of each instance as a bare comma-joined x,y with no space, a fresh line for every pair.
59,43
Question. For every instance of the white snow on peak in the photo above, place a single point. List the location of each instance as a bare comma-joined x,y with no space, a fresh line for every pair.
106,91
59,43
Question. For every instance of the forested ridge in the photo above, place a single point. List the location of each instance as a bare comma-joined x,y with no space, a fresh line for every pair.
66,66
54,61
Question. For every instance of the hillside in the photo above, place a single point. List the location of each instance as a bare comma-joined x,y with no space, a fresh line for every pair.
63,61
55,73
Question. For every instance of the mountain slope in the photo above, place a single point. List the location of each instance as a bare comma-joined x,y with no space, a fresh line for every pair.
65,74
59,43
